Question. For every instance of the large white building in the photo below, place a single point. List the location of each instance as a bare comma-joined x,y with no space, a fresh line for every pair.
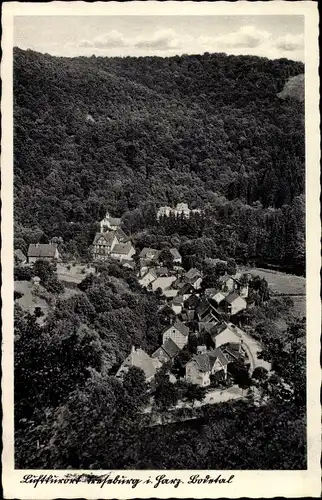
180,209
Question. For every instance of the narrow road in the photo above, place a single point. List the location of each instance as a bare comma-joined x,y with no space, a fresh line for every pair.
252,347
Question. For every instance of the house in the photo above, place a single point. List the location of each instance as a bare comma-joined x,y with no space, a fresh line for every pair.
20,257
215,295
148,278
123,251
186,291
178,332
228,283
45,251
207,313
167,352
194,277
182,209
166,314
192,302
177,304
222,333
121,236
164,283
164,212
109,223
140,359
233,303
149,254
200,368
177,259
233,352
103,245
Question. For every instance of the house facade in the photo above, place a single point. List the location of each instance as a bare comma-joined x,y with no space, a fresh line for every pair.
200,368
109,223
123,251
103,245
234,303
43,251
142,360
178,332
223,333
147,278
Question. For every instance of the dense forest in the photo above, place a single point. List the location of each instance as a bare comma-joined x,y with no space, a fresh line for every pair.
131,134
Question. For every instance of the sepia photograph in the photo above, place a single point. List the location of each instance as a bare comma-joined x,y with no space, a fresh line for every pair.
160,244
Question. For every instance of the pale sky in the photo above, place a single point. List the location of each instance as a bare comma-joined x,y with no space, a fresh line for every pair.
269,36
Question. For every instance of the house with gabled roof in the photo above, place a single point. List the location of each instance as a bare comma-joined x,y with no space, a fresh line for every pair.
206,312
123,251
192,302
140,359
233,303
121,236
167,352
178,332
228,283
166,313
109,223
149,254
148,278
215,295
165,285
200,368
233,352
177,259
223,333
177,304
103,245
194,277
186,290
43,251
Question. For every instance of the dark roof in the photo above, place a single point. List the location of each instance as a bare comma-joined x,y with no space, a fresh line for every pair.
171,348
42,250
161,271
232,297
192,301
207,360
108,237
181,327
192,273
232,351
121,236
177,300
180,282
217,329
161,355
166,309
187,288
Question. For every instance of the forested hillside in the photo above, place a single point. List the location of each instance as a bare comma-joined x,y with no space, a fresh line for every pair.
131,134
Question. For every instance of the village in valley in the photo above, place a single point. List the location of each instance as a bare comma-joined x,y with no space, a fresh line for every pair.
201,344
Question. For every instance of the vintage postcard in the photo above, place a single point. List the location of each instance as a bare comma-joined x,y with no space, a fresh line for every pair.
161,250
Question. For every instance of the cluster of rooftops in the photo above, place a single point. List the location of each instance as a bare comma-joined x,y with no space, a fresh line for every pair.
190,309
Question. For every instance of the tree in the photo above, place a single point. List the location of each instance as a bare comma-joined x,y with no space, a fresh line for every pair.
165,395
195,393
166,258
